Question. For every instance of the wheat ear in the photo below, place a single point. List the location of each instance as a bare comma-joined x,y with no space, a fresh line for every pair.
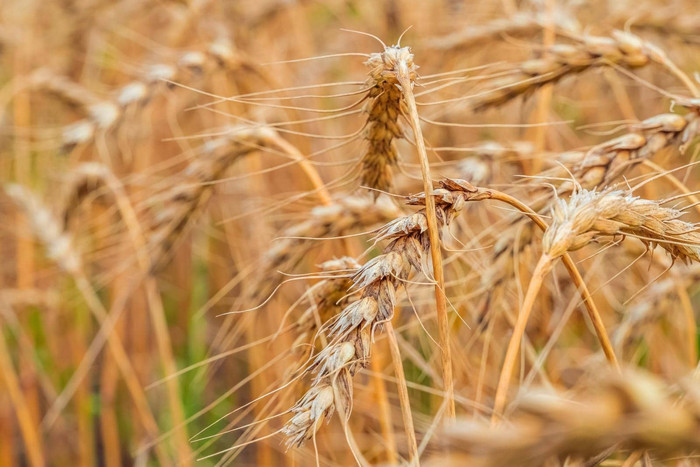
384,106
622,49
378,280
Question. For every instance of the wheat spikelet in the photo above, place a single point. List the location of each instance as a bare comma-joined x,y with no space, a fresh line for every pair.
384,107
628,411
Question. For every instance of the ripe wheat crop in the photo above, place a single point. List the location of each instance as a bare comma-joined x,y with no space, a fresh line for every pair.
350,232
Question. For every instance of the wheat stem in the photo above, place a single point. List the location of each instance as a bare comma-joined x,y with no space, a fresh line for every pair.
403,395
592,310
690,326
382,399
28,428
434,236
543,267
122,359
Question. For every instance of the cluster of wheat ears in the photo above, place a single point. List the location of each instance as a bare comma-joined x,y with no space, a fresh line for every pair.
253,233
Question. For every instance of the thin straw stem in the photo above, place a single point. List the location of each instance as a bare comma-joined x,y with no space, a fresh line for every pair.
435,253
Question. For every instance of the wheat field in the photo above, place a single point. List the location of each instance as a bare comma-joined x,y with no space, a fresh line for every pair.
349,232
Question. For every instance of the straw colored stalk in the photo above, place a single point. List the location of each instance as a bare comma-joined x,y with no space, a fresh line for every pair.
588,215
97,174
405,72
613,413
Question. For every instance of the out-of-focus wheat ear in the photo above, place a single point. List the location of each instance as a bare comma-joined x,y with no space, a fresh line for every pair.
86,180
57,242
609,161
100,114
186,197
632,410
59,247
621,49
656,302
